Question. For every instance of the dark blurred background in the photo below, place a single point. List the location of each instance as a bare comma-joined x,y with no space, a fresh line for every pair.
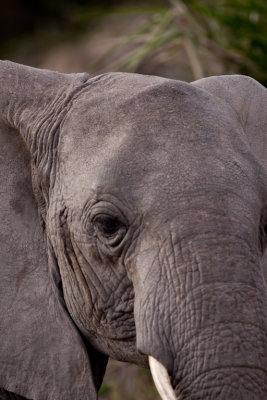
178,39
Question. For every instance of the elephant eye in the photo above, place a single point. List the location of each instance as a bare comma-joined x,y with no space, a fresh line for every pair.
108,225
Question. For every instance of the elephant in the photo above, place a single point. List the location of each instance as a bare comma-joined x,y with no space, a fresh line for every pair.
133,226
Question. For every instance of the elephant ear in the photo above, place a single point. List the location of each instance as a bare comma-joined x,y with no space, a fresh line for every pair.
249,99
42,355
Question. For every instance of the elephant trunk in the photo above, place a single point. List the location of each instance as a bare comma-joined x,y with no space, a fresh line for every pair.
203,316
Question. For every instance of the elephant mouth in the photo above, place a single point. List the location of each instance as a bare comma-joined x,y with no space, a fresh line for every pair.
161,379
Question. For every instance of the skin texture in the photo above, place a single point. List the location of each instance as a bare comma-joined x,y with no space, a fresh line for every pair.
133,223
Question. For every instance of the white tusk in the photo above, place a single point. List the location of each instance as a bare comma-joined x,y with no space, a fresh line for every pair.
161,379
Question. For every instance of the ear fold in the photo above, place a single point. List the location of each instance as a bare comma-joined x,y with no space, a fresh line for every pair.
249,99
42,355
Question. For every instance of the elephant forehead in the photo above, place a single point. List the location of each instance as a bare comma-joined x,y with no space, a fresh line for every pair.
144,102
144,111
133,132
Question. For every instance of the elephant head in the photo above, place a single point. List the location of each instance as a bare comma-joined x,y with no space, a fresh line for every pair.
133,214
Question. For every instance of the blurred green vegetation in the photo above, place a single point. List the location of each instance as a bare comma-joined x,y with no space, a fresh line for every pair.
127,382
232,31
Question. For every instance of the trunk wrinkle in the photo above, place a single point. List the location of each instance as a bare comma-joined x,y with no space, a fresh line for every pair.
226,368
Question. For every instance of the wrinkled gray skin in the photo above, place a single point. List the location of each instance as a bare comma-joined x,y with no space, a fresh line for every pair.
133,214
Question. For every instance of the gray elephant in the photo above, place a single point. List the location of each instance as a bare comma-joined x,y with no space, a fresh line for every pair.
133,225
